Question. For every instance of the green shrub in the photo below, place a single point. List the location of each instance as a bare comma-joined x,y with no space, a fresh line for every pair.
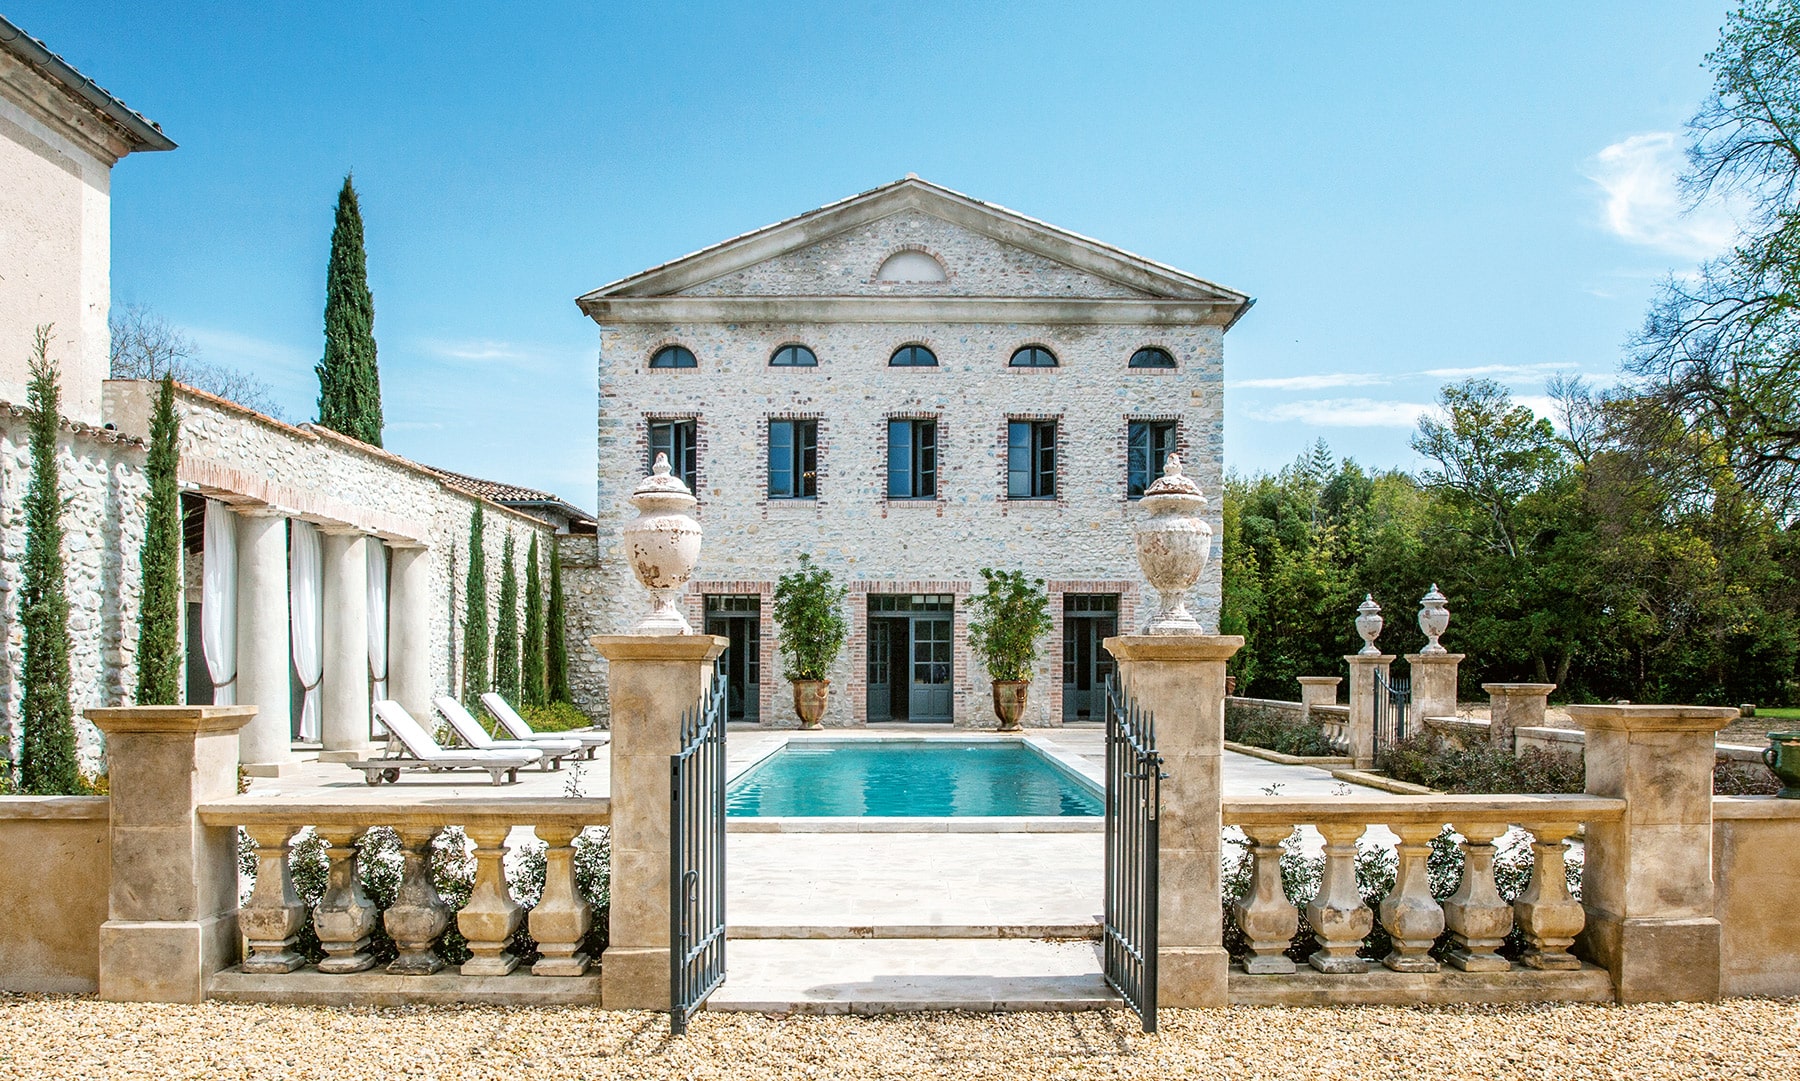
555,717
1272,731
1422,759
809,609
1007,618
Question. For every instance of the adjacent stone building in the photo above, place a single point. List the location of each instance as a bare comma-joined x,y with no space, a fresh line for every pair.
910,385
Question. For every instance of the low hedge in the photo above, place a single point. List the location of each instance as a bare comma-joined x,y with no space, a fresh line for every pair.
1422,759
1275,732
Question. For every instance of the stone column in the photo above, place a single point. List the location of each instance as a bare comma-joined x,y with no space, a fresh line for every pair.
1513,706
410,607
1433,687
344,694
1647,884
1180,678
265,661
652,679
1361,729
172,906
1318,690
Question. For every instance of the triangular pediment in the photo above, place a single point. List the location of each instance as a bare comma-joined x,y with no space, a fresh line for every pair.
984,250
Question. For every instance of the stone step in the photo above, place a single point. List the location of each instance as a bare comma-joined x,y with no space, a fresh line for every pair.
1084,929
870,976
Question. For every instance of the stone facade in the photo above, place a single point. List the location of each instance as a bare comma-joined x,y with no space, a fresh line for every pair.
1010,283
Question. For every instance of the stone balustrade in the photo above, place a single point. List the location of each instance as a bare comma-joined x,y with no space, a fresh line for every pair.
345,918
1475,915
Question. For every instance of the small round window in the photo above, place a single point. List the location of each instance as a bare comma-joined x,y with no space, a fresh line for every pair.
913,356
793,356
674,356
1034,356
1152,357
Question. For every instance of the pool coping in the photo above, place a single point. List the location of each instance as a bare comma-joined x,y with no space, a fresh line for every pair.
1059,759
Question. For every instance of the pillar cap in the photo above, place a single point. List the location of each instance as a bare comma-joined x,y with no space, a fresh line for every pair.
1519,689
1435,658
1370,658
170,720
1652,718
659,647
1174,647
1318,681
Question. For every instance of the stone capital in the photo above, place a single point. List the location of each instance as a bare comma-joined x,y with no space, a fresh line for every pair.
1358,660
1519,690
1419,659
1319,681
169,720
1174,647
1653,718
660,647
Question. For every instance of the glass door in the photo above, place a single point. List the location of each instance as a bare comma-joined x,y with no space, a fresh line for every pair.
1089,619
739,620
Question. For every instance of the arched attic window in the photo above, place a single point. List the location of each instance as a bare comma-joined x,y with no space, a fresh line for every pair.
1034,356
673,356
1152,357
911,266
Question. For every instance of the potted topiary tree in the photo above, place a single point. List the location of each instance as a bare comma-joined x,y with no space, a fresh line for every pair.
1010,615
808,605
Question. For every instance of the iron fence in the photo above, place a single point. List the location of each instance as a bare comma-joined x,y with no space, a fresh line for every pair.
697,858
1133,795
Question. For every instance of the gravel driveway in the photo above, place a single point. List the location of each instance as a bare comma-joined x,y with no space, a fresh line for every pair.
70,1037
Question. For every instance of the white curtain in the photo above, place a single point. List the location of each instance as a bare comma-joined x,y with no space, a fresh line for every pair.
306,620
378,623
218,601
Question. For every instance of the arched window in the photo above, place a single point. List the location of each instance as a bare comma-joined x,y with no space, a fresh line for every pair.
913,356
1152,357
674,356
1034,356
911,266
793,356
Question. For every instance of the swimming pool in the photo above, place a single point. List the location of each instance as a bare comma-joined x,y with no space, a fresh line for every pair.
916,778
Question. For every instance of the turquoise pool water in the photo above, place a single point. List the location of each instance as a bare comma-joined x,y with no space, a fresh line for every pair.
908,779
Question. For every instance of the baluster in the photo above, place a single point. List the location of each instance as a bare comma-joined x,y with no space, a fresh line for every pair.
1337,913
418,915
1409,912
271,920
1478,919
344,917
1547,914
491,917
1265,915
562,917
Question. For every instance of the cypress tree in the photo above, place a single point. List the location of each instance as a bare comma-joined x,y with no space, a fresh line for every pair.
531,656
159,651
476,678
48,765
506,640
556,647
349,381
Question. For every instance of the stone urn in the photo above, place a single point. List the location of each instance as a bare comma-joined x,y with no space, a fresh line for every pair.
809,700
1368,624
663,545
1010,698
1173,545
1782,756
1434,620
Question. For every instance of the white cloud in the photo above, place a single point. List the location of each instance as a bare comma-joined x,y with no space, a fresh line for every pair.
1638,176
1323,381
1521,371
473,349
230,347
1347,413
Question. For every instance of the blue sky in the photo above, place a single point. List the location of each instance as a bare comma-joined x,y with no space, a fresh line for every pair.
1412,192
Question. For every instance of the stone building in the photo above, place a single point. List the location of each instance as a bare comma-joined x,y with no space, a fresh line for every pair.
910,385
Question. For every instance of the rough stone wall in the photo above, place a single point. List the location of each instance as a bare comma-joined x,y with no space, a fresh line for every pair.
584,590
101,476
852,528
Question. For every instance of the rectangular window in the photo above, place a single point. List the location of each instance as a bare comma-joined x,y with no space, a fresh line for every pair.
912,459
1031,459
1148,443
676,439
793,459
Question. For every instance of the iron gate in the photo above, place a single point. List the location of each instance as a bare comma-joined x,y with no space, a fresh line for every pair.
697,858
1133,793
1392,696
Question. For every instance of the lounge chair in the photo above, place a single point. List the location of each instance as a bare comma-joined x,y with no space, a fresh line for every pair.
469,730
417,750
591,739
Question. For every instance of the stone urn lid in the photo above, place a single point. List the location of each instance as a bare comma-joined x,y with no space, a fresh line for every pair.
662,490
1174,483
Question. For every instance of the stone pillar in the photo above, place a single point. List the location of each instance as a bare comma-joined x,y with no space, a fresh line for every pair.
651,679
410,606
1513,706
172,907
1647,884
1361,729
1180,678
344,694
264,653
1318,690
1433,687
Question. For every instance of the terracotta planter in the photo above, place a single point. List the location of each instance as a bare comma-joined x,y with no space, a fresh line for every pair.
1009,702
809,700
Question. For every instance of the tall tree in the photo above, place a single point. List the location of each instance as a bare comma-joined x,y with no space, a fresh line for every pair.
531,656
506,638
556,645
159,652
476,677
48,765
349,381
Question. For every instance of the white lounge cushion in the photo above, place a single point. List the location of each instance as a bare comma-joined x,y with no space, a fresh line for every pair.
515,724
420,745
475,736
